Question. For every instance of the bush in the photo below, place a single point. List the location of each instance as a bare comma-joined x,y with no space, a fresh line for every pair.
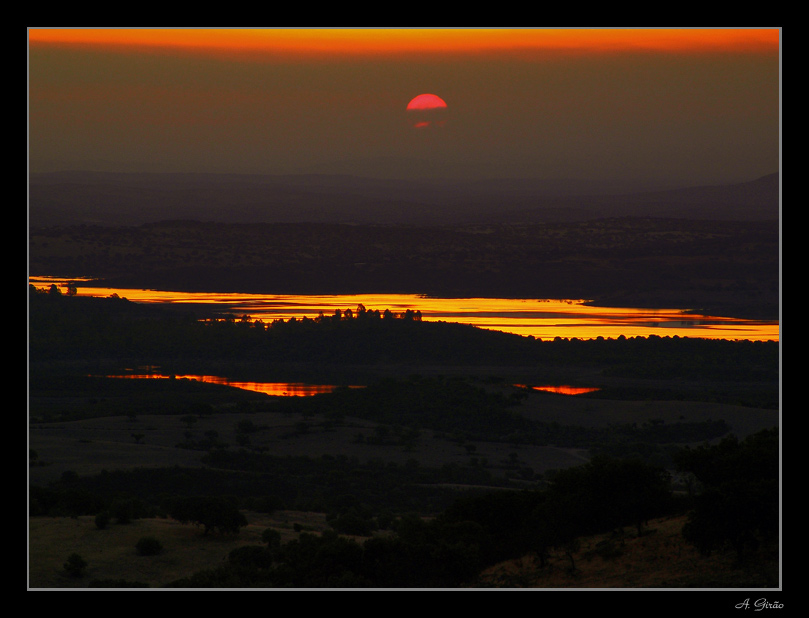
352,524
272,538
126,509
149,546
608,549
75,565
102,520
251,556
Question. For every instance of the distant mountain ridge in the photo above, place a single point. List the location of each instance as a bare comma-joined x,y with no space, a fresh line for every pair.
113,199
755,200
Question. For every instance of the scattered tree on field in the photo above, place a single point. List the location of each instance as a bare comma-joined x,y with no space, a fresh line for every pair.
75,565
212,512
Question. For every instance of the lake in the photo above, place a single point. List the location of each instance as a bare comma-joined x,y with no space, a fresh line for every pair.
541,318
302,389
277,389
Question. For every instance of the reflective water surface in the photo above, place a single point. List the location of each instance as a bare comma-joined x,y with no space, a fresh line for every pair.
562,389
300,389
541,318
277,389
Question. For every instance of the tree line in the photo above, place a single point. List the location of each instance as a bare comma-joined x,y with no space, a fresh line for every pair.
63,327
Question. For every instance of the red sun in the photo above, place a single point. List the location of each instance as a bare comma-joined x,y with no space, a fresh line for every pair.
426,101
427,110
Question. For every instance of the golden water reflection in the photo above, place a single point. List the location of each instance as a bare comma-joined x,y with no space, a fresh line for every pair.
301,389
561,390
544,319
276,389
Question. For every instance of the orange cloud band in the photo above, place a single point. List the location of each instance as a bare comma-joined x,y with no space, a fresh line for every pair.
399,40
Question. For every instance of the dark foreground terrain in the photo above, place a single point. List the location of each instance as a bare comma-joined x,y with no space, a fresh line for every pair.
434,463
445,464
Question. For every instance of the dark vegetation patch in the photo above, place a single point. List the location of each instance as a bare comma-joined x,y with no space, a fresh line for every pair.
262,483
729,267
613,497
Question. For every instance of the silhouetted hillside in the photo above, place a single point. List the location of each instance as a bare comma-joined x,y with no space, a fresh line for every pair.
69,198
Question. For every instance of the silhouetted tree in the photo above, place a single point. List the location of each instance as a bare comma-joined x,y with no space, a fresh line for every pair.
75,565
739,500
272,538
212,512
252,557
102,520
607,493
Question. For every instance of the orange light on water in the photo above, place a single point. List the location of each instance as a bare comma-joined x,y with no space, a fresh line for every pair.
276,389
545,319
300,389
566,390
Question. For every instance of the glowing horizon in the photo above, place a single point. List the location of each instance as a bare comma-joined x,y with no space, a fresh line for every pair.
669,106
310,42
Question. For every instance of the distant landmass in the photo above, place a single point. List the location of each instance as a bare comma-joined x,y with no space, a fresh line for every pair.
115,199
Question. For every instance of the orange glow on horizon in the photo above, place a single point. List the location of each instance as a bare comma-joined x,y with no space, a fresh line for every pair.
375,41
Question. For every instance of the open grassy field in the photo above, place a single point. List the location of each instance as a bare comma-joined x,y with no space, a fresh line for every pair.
111,553
119,442
659,559
89,446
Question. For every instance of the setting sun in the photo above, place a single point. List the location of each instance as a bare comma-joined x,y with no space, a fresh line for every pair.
426,101
427,110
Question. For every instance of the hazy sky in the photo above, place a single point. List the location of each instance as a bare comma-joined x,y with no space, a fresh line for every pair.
681,106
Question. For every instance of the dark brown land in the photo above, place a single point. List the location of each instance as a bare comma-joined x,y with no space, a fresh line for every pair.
720,267
386,448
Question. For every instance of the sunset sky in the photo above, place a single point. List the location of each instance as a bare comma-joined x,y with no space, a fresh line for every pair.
691,106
